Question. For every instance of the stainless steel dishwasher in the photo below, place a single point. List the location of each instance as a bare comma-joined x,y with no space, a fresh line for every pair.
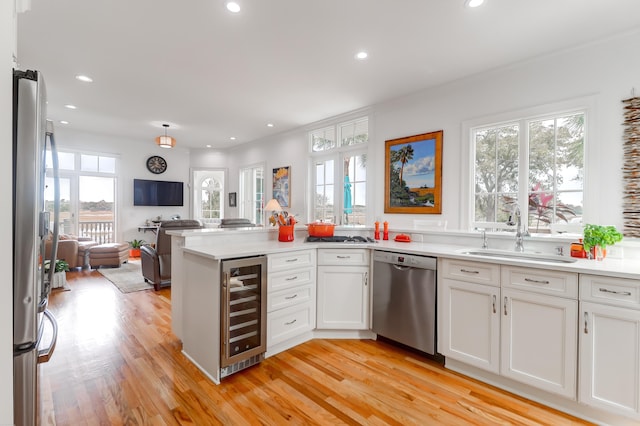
404,299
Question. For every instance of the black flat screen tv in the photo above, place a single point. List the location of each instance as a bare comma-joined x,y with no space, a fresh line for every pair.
157,193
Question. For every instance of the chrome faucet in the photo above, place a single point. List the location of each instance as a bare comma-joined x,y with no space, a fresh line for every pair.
519,233
485,241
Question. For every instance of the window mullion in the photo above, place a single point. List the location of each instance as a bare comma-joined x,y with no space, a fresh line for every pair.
523,171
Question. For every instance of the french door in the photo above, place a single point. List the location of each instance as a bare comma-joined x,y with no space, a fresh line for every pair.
87,206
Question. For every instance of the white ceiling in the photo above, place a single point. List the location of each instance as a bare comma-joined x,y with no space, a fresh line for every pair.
212,75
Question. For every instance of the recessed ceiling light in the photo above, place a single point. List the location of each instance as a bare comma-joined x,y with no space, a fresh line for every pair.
269,124
208,146
362,55
70,106
84,78
233,138
64,122
473,3
233,6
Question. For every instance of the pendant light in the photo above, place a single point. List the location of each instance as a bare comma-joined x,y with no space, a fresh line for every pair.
165,141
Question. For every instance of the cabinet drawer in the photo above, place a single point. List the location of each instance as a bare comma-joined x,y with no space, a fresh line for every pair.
612,291
292,278
290,297
562,284
475,272
343,257
290,260
286,323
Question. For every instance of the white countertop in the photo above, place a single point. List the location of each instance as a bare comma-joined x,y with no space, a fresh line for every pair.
622,268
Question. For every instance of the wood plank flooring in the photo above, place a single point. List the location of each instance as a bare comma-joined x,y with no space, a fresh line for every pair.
117,362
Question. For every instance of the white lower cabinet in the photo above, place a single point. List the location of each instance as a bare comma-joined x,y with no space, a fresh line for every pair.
539,331
471,323
539,344
520,323
343,289
291,299
343,298
610,344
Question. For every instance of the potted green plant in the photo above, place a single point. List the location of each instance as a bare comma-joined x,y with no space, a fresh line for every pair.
135,247
596,238
59,272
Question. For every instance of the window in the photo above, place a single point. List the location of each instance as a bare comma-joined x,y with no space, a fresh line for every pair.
252,193
208,190
340,192
534,163
87,195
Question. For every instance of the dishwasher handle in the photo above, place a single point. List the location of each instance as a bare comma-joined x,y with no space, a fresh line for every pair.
401,267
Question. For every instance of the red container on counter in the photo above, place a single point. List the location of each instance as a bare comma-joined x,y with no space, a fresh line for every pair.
285,233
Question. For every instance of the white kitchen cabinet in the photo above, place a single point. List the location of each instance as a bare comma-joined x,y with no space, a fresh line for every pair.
470,323
539,341
291,299
343,289
610,344
468,312
539,332
516,322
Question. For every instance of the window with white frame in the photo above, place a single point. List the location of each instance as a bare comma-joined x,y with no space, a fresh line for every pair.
251,193
87,194
339,172
535,163
208,190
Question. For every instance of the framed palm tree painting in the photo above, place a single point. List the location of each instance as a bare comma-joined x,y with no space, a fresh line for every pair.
413,174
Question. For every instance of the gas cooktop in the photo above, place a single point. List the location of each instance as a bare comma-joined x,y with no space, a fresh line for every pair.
340,239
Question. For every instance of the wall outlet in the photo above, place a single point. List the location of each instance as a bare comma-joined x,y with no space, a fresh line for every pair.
416,238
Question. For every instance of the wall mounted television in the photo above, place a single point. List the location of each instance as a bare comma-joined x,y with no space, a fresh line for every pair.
157,193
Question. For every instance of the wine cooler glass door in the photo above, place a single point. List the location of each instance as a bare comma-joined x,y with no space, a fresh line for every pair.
243,309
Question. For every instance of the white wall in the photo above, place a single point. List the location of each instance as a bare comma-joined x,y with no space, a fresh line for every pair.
607,69
132,159
7,37
285,149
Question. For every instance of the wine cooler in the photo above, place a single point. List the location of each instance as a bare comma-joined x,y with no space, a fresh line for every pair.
244,314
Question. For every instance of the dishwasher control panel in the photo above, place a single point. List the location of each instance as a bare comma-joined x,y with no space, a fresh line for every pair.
423,262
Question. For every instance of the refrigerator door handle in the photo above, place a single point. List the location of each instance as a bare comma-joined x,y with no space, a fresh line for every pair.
56,208
44,355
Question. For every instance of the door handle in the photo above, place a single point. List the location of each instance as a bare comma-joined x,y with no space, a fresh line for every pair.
531,280
622,293
505,305
494,303
586,322
44,355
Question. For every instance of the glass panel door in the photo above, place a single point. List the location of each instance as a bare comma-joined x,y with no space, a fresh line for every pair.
97,210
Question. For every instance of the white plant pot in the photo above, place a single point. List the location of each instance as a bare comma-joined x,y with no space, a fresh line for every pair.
59,279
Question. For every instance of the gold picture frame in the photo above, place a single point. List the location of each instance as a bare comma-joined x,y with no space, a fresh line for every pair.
413,174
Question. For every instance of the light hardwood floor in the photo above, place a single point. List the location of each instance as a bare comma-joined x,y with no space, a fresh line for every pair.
117,362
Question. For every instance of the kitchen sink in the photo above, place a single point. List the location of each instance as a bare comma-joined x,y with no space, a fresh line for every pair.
505,254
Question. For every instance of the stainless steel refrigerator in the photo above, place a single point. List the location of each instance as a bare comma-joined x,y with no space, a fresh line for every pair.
32,138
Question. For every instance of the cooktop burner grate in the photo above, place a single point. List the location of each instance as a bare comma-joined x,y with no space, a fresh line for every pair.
340,239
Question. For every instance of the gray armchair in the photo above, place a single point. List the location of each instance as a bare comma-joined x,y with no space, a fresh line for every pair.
156,261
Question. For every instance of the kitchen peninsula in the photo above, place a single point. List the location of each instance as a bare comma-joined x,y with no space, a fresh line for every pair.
550,303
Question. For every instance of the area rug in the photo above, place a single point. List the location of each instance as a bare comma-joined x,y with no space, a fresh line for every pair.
128,277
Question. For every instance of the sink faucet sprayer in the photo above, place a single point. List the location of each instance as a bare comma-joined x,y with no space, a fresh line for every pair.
519,234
